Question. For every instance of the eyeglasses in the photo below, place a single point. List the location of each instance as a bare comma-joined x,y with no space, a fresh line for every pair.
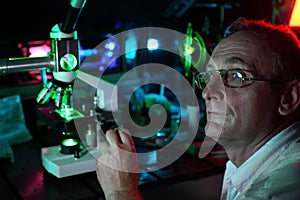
232,78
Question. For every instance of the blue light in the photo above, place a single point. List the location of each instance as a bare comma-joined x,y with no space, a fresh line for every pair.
109,54
130,46
110,45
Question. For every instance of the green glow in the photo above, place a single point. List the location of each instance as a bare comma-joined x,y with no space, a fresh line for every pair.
68,62
189,50
69,142
69,113
191,45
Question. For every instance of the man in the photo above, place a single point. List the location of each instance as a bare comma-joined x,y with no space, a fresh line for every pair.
252,92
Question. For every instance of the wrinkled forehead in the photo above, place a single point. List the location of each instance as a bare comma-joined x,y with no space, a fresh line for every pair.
241,50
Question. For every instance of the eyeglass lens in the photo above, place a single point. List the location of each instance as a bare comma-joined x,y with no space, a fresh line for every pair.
230,78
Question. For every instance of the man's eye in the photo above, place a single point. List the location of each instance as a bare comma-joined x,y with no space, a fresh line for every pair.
236,74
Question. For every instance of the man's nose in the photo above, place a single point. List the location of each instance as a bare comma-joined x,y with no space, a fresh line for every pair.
214,89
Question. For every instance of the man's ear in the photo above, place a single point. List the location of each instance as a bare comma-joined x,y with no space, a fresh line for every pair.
290,99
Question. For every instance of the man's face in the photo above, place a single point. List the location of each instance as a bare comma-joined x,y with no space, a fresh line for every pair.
240,115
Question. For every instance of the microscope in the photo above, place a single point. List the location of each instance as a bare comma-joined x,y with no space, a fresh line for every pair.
73,156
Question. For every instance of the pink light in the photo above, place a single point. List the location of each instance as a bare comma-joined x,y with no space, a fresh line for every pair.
33,186
39,51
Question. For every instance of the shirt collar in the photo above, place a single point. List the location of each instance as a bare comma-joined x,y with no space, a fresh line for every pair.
243,176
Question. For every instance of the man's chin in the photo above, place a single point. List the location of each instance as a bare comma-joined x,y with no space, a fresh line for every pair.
213,130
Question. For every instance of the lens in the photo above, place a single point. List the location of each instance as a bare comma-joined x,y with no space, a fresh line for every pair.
45,93
58,98
237,78
202,85
201,81
233,79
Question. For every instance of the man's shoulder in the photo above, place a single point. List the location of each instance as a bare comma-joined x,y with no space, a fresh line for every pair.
282,178
288,162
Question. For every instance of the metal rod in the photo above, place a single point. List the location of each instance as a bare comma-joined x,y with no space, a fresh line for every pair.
14,65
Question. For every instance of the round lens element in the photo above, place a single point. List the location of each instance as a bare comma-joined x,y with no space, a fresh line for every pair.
68,62
69,146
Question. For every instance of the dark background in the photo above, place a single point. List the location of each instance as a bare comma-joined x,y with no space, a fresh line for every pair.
33,19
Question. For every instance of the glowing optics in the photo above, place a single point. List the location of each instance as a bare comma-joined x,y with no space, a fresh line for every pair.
110,46
68,62
189,50
109,54
70,146
101,68
70,142
152,44
130,46
192,50
69,113
295,17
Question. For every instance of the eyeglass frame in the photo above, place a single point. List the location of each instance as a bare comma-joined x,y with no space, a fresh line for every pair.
223,72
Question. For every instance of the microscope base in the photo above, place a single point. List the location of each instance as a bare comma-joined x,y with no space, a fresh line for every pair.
63,165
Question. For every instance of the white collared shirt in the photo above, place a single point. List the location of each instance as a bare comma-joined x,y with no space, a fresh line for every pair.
273,172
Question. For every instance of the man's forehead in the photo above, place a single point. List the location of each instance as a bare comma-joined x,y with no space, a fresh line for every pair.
235,43
239,49
229,61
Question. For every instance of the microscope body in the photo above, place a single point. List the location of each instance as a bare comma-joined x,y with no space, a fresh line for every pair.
70,157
